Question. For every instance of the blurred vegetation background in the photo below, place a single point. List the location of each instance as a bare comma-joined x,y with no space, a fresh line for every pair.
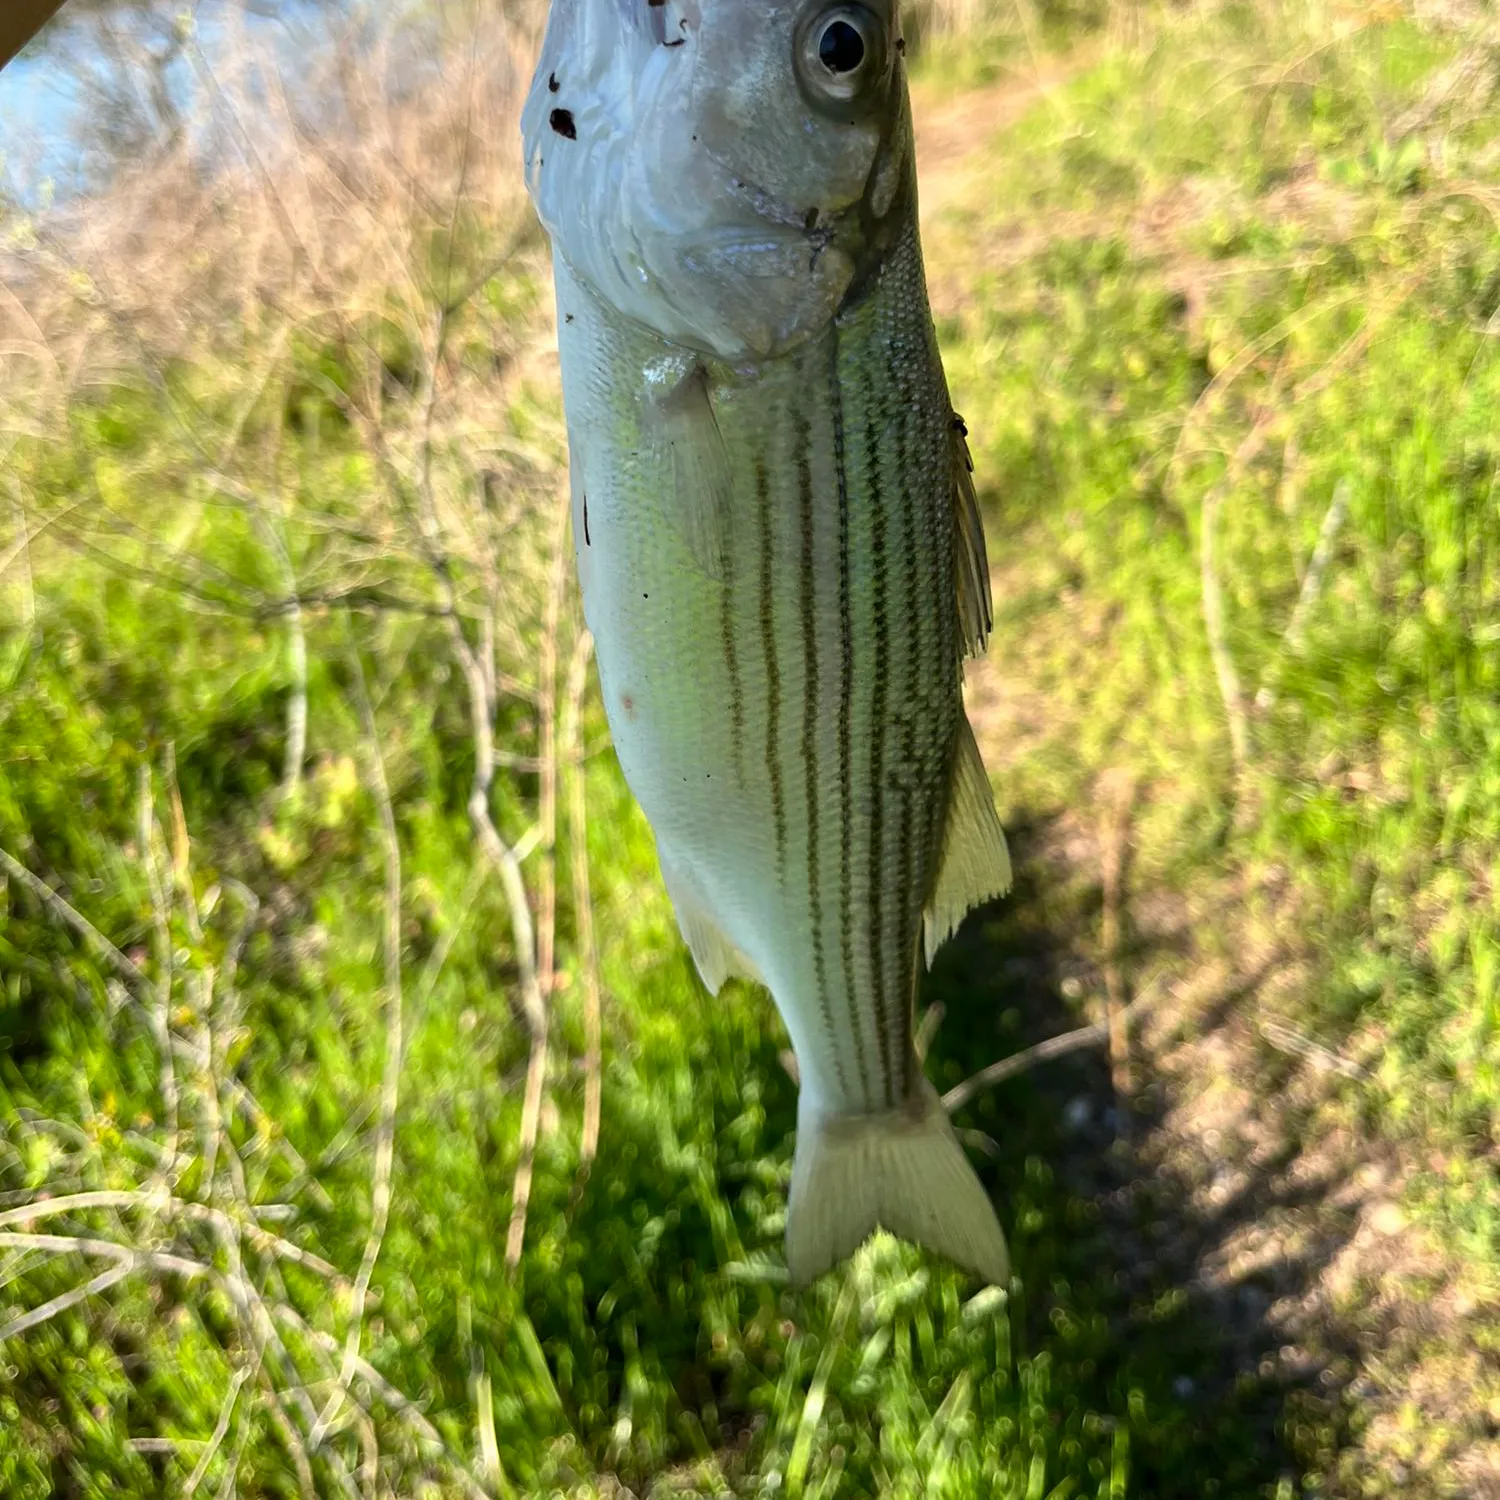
364,1129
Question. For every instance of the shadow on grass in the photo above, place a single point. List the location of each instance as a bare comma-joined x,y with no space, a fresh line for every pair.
1119,1225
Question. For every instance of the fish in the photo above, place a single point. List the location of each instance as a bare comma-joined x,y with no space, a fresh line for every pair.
780,552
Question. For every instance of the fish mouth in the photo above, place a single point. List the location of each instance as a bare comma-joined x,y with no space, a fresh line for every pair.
764,205
820,223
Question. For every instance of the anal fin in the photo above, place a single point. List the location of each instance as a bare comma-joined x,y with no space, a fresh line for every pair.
975,863
717,958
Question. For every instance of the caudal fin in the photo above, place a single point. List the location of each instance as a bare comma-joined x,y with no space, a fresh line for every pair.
903,1171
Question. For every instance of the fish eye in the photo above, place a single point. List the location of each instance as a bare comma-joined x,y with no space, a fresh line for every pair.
841,49
841,54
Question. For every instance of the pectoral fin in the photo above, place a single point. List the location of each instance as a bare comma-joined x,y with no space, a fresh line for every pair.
971,566
975,864
684,423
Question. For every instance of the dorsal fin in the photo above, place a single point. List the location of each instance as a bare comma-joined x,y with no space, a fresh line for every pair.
971,566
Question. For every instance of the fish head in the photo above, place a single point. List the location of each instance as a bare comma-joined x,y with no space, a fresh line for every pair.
720,171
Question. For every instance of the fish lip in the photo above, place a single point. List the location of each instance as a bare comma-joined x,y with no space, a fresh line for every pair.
817,227
764,204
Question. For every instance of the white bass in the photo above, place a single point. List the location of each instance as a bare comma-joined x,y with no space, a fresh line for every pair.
779,547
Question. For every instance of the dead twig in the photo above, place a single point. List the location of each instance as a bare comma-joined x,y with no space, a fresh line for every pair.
126,1255
221,1429
290,1439
160,1202
1293,640
128,970
390,1083
1217,388
63,1301
583,905
1288,1039
1115,843
927,1027
1225,671
26,535
158,1013
537,1015
405,1408
1022,1062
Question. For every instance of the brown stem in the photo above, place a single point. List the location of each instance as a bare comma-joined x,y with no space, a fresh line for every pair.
583,904
537,1019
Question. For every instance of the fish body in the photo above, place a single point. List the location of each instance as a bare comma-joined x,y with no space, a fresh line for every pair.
779,550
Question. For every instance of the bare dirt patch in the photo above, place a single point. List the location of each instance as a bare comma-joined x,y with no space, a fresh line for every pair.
952,128
1245,1187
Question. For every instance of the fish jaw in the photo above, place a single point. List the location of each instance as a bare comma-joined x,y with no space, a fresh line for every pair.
679,169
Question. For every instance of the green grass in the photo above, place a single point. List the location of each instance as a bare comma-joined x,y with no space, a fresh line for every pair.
1307,271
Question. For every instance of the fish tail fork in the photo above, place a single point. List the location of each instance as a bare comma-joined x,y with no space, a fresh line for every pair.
902,1170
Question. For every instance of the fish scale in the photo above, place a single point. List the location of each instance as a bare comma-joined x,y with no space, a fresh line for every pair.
772,555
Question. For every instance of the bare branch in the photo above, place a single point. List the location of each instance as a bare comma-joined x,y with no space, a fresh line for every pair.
390,1083
960,1094
63,1301
157,1201
158,1013
291,1441
1115,843
536,1010
67,1244
1294,639
221,1428
583,904
402,1405
1213,595
1312,582
1288,1039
